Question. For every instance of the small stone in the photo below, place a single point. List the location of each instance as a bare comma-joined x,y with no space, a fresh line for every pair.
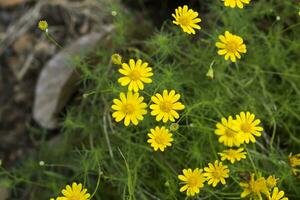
57,81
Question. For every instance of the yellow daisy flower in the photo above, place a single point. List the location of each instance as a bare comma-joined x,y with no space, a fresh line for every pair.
216,173
255,188
43,25
272,181
233,154
187,19
135,75
165,106
294,162
160,138
129,107
75,192
193,180
248,126
277,195
231,46
234,3
228,134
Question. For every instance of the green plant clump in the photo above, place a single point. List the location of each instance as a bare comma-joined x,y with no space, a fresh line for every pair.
114,161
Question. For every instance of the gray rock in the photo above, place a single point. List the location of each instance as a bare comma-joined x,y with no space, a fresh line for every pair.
57,80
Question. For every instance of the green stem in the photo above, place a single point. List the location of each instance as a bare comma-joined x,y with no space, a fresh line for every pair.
250,158
53,40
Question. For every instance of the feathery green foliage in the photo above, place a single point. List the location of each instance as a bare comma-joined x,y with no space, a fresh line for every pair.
117,163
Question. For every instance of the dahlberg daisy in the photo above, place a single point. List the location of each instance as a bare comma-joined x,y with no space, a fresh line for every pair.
135,75
277,195
294,162
271,181
248,126
187,19
76,192
166,105
234,3
43,25
129,107
216,173
231,46
160,138
255,188
193,180
233,155
228,134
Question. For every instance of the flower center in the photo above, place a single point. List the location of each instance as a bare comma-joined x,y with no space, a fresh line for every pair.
257,186
73,197
183,21
246,127
159,139
231,153
193,181
217,173
128,108
229,133
135,75
166,106
232,46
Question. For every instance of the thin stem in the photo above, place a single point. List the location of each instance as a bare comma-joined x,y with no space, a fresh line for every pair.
53,40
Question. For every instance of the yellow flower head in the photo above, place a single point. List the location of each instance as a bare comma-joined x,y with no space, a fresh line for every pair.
43,25
234,3
227,133
294,162
272,181
129,107
135,75
193,180
231,46
216,173
255,188
75,192
277,195
160,138
116,59
233,154
187,19
248,126
165,106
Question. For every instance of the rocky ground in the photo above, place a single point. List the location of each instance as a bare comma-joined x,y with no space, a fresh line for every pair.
24,53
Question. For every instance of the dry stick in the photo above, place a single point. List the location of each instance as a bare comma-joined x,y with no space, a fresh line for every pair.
25,68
